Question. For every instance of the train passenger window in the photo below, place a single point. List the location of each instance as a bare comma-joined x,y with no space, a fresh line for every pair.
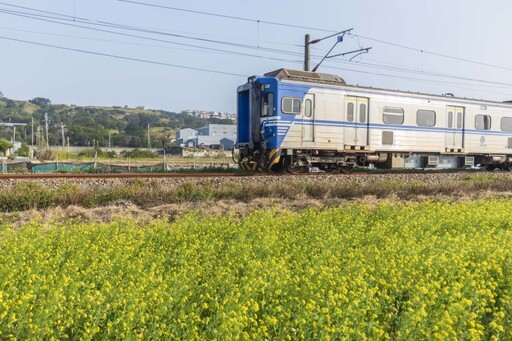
393,115
267,105
362,113
308,108
425,118
506,124
483,122
459,120
350,112
291,105
450,119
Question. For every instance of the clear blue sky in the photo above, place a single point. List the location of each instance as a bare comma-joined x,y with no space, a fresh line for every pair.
473,30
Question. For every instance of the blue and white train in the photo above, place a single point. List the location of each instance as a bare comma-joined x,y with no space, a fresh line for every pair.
294,120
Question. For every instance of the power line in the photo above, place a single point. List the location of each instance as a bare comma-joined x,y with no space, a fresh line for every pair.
433,53
124,27
195,68
428,73
113,25
118,26
226,16
416,79
143,37
75,18
199,49
316,29
122,57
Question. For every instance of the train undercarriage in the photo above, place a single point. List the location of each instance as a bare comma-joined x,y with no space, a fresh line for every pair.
304,160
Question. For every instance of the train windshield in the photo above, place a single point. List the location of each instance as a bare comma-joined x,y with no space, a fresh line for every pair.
267,105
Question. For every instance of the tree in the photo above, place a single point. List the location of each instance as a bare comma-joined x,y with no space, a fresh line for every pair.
24,150
5,145
42,102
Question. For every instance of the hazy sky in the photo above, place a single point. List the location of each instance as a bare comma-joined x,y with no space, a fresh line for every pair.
473,30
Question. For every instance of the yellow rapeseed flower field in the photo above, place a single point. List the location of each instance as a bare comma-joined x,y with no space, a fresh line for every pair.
432,270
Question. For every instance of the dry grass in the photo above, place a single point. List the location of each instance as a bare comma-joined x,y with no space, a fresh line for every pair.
150,194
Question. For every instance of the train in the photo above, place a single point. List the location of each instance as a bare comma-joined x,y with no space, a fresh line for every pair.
296,121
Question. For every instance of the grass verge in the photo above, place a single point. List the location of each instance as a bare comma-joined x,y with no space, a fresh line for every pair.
149,193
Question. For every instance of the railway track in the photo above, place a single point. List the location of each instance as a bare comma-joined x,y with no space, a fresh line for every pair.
222,175
120,175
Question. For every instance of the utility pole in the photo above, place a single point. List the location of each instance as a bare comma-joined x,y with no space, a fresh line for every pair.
47,137
13,134
39,144
306,51
62,131
32,131
109,136
149,139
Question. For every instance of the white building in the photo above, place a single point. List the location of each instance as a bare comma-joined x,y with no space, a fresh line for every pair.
220,130
186,137
213,136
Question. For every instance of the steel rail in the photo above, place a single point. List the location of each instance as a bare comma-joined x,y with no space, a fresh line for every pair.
7,176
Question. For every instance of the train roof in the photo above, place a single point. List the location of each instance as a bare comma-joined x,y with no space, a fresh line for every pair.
325,78
307,76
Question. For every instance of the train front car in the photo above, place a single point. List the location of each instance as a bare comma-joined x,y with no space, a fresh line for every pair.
258,124
276,122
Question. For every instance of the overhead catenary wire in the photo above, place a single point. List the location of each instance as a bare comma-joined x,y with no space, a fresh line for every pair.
193,48
145,38
130,28
234,17
118,26
112,25
196,68
124,57
317,29
75,18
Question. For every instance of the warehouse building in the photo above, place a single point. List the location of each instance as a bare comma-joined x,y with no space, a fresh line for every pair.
213,136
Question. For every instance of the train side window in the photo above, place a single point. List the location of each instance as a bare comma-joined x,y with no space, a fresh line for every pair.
483,122
362,113
350,112
506,124
290,105
267,105
450,119
425,118
393,115
308,108
459,120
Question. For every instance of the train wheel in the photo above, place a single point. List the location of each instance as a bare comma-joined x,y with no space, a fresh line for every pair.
297,169
346,169
294,167
507,167
490,168
278,167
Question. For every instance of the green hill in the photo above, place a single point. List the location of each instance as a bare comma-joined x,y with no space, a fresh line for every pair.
86,126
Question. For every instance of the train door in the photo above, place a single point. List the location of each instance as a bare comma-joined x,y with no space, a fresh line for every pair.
308,120
356,117
454,129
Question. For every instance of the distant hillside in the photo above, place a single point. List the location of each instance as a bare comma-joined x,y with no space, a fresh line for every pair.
86,126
